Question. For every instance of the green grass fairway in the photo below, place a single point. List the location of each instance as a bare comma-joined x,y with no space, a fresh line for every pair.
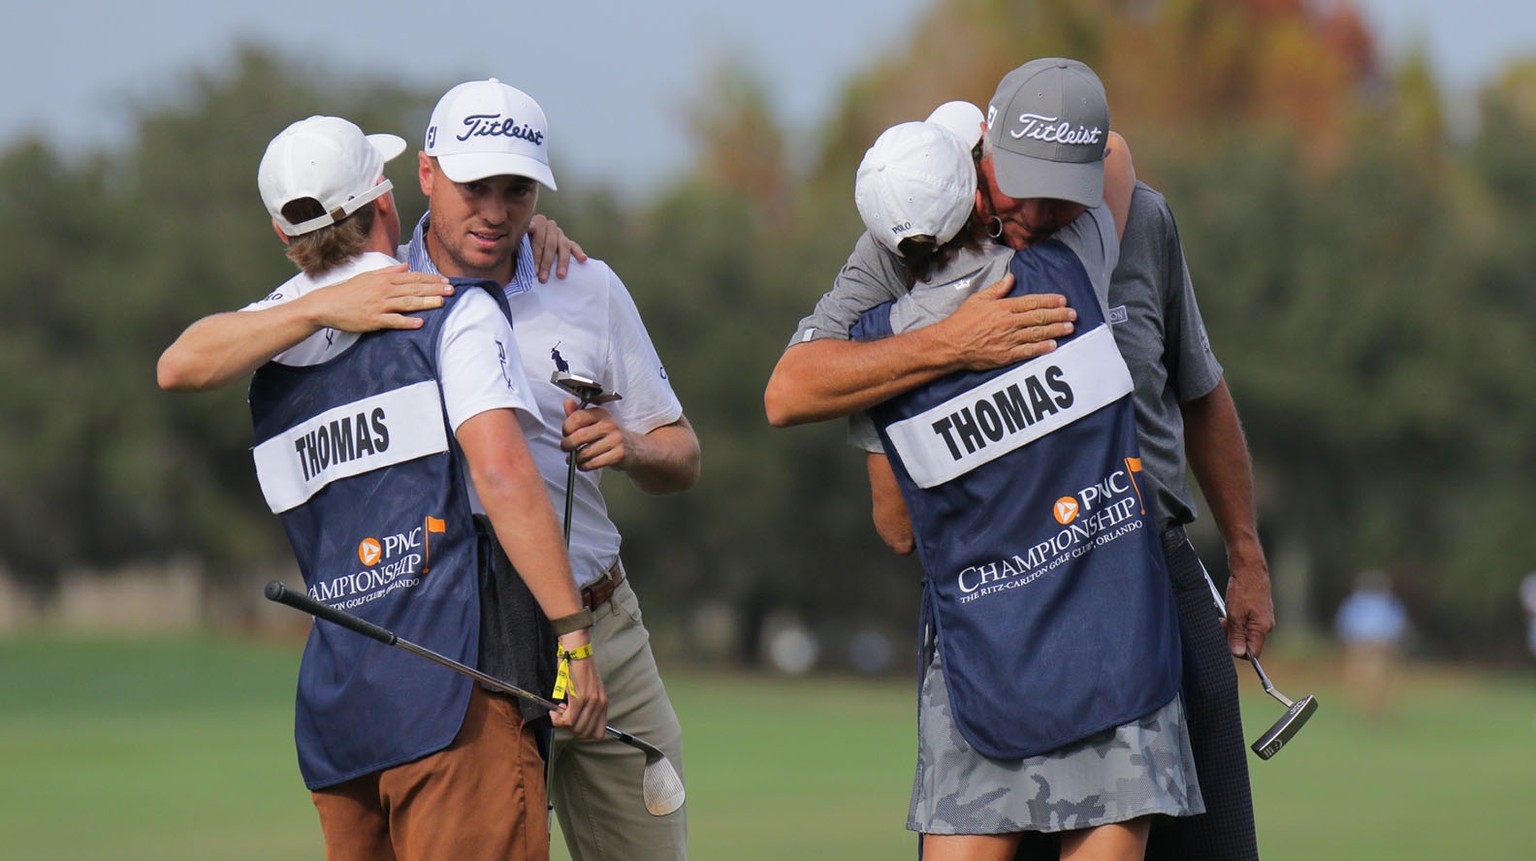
181,749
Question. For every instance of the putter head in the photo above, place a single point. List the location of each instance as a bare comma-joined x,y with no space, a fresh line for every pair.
584,389
1286,727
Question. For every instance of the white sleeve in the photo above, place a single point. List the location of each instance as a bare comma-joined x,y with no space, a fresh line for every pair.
634,367
480,366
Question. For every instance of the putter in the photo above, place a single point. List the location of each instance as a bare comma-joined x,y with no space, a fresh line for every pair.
588,392
661,787
1296,715
1297,712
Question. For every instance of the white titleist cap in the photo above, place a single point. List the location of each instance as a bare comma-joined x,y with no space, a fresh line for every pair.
486,128
917,180
327,159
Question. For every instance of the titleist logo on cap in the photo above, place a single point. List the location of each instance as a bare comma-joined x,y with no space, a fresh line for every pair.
491,125
1055,130
1048,129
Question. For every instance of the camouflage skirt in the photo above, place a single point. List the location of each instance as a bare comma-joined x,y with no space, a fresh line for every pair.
1141,768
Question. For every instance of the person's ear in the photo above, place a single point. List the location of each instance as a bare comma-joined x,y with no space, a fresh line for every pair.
424,171
277,228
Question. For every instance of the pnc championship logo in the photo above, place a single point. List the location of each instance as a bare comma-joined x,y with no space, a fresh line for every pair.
1066,509
391,561
1098,514
369,552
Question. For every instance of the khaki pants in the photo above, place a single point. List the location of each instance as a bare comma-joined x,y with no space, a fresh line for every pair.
482,797
596,785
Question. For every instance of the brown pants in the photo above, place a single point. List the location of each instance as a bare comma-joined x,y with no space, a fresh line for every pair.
481,797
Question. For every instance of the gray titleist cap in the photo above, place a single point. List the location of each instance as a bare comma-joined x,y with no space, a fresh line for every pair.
1048,123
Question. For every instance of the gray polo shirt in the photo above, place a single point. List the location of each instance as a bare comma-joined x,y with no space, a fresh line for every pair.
1158,327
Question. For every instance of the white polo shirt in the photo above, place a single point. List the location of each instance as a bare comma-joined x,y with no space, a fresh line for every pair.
590,319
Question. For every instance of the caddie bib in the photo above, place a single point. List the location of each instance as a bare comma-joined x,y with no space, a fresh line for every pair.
356,457
1045,587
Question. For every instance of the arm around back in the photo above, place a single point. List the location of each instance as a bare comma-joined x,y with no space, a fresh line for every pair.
828,378
1119,181
224,348
892,519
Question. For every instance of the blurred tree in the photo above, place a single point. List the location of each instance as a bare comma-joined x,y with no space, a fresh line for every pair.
110,259
1363,269
721,267
1334,234
64,422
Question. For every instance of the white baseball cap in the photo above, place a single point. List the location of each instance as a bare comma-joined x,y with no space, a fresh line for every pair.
328,159
486,128
1049,123
962,118
917,180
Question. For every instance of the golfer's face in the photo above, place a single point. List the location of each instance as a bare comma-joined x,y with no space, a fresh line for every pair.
1025,220
476,227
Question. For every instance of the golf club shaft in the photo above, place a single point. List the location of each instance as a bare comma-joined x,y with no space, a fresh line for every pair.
280,593
570,497
1221,605
1269,687
570,480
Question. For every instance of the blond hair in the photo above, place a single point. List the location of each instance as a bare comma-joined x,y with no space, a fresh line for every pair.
320,251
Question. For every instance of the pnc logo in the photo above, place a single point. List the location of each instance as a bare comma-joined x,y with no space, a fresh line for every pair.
369,551
1065,510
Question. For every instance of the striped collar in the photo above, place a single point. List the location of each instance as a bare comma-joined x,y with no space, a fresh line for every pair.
524,277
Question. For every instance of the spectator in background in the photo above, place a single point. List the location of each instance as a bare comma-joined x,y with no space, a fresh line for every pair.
1528,601
1370,624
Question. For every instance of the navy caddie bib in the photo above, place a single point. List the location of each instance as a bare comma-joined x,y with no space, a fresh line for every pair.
357,458
1045,588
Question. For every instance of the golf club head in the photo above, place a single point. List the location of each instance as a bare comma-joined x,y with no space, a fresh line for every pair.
1286,727
584,389
660,786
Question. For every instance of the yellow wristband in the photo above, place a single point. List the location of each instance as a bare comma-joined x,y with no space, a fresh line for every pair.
563,683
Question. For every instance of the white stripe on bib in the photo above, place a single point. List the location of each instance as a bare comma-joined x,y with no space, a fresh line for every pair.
372,433
1012,409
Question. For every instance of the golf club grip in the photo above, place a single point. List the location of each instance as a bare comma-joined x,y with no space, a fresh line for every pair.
276,591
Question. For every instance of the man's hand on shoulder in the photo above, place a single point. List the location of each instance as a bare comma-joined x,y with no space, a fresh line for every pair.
992,329
552,248
378,299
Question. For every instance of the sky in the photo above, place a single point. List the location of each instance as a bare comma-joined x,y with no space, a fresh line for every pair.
615,77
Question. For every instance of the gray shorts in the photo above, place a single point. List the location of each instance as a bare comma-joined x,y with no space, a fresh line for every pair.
1141,768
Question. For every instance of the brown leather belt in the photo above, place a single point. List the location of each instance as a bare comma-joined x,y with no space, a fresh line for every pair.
597,594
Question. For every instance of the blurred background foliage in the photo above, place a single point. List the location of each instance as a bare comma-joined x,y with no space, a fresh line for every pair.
1362,253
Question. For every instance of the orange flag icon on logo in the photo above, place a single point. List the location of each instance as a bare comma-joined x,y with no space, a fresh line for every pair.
1134,465
432,525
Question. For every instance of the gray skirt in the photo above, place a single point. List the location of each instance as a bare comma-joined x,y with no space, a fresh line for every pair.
1141,768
